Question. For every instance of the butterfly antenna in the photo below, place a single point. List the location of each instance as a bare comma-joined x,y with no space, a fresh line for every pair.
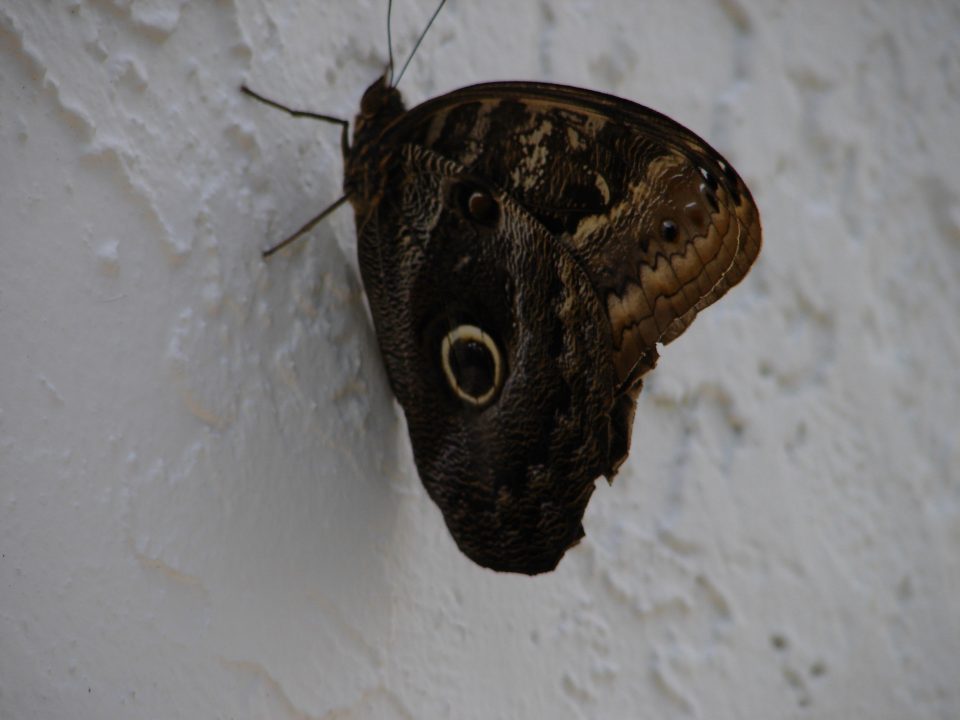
390,40
305,229
419,40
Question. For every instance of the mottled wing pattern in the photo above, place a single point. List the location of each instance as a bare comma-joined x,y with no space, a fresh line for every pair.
513,478
661,223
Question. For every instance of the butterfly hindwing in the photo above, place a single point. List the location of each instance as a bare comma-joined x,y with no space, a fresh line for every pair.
446,250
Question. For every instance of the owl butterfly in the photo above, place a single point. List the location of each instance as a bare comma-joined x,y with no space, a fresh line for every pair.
524,247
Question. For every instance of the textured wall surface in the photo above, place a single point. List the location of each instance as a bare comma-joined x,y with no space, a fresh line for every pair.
208,507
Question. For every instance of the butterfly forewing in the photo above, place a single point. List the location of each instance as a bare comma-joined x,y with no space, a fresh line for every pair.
661,222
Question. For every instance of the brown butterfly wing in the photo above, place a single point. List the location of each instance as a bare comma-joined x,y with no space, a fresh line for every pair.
513,476
662,224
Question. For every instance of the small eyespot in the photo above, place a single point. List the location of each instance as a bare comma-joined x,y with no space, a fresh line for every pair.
478,204
669,230
482,207
472,364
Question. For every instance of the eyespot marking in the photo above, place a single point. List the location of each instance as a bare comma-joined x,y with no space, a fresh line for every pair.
669,230
478,204
472,364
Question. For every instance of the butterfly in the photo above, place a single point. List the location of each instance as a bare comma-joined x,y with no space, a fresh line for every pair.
524,248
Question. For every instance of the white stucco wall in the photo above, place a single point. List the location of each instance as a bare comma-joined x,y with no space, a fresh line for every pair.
208,507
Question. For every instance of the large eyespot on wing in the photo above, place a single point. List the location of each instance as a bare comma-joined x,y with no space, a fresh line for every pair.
472,364
497,347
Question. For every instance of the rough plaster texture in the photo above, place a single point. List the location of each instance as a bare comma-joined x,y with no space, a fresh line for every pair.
208,507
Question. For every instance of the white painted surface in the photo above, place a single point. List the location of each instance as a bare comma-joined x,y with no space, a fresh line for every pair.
207,503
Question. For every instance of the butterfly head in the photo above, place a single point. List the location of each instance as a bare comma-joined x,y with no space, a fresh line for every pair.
380,105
